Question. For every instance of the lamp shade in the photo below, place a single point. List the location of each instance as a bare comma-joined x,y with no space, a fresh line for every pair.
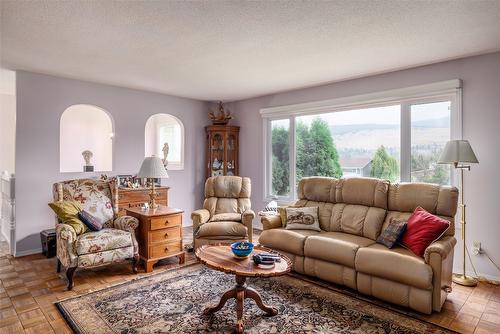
152,167
457,151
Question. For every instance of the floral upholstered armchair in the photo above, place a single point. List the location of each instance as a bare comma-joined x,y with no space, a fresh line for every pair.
114,243
226,215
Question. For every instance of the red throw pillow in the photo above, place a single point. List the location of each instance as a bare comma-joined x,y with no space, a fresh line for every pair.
422,229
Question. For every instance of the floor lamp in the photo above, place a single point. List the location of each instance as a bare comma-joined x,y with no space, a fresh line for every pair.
459,153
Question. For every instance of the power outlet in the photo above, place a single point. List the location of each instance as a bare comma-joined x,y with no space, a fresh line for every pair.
476,247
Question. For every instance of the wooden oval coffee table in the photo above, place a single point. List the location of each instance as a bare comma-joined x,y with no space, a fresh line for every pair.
221,258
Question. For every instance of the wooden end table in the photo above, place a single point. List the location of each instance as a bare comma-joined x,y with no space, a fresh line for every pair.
221,258
159,234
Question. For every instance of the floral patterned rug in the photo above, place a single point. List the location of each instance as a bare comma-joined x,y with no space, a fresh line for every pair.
173,302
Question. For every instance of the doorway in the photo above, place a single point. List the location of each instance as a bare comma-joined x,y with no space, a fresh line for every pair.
7,160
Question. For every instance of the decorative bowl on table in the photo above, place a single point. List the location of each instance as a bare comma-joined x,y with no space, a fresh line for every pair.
242,249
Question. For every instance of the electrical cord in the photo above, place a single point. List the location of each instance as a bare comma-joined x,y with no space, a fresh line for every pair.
481,278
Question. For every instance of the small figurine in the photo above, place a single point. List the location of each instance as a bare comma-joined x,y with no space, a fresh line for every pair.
87,155
165,150
221,117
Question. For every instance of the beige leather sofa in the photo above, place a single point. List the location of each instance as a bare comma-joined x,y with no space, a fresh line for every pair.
352,214
226,215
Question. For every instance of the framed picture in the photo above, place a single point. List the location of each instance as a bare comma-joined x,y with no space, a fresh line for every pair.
125,181
145,182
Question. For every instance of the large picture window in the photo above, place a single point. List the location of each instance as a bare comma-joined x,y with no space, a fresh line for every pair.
397,135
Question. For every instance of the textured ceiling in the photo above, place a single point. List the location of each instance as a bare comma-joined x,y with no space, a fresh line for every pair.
233,49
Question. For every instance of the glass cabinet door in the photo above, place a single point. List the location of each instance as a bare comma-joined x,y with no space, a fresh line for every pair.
217,154
232,153
222,150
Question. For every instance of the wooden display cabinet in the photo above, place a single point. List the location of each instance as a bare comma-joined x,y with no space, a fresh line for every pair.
222,150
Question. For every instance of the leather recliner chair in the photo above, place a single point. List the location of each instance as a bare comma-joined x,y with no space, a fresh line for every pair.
226,215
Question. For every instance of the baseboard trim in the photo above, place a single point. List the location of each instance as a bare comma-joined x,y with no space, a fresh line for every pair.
28,252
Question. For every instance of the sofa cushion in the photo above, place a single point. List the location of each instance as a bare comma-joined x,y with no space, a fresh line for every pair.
103,240
234,217
363,191
438,200
291,241
222,230
336,247
397,264
318,188
228,187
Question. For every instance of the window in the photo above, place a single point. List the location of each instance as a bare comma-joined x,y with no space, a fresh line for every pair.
280,131
396,135
164,129
85,128
360,142
430,130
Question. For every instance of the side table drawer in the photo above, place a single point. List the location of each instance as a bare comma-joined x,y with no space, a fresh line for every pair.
164,222
162,250
166,234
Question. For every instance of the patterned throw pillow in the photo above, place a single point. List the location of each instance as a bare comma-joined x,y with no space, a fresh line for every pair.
305,218
393,232
93,223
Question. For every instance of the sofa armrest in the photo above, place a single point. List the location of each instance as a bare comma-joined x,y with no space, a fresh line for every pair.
126,223
247,219
199,217
439,256
269,222
129,224
442,246
66,238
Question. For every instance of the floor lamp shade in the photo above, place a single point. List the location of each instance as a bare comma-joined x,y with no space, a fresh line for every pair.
153,168
457,151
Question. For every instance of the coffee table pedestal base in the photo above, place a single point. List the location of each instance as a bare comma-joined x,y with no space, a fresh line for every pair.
240,292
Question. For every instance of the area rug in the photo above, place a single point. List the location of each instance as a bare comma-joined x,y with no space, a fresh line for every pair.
173,302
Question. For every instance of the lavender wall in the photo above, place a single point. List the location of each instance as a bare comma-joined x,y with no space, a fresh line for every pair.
481,120
42,99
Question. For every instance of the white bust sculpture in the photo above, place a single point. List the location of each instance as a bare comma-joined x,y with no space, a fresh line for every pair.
87,155
165,150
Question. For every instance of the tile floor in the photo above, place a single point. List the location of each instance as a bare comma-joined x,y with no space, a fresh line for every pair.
30,285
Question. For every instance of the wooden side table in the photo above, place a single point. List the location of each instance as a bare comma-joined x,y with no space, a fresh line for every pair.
159,234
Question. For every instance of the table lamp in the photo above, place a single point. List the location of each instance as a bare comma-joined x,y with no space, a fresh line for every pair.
458,152
152,168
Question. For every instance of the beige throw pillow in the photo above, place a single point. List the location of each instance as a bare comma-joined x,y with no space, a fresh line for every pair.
305,218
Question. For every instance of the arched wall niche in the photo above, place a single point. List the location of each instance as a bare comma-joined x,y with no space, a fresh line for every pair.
85,127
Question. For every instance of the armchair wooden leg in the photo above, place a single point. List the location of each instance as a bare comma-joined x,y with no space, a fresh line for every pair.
69,274
135,262
58,266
